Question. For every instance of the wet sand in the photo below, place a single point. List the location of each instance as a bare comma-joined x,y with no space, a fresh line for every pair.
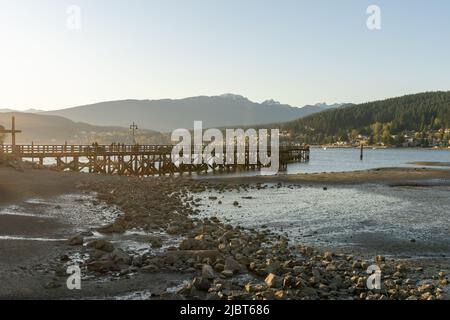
431,164
386,176
31,269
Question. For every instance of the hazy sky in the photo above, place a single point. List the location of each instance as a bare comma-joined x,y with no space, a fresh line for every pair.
296,52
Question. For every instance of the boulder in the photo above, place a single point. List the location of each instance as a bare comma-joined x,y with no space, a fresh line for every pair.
208,272
201,284
274,281
76,240
233,265
151,268
102,245
102,266
119,256
112,228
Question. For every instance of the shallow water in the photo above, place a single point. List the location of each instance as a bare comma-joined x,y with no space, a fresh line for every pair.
30,239
371,219
345,160
342,160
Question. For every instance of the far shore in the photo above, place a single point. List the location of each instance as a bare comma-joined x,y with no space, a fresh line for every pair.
377,147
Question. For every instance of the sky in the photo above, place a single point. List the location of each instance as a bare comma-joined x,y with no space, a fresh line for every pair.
296,52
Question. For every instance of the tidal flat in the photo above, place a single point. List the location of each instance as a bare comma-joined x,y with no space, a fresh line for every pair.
179,238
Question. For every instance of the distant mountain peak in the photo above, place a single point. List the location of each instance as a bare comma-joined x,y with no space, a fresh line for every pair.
233,96
271,102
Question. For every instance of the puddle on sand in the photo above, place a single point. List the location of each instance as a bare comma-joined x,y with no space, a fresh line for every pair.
30,239
140,241
66,215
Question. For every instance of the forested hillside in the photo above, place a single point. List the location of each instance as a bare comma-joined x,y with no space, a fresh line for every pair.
424,116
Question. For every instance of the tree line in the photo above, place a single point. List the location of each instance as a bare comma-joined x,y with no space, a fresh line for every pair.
385,121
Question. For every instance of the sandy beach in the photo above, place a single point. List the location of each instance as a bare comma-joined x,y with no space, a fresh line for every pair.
187,257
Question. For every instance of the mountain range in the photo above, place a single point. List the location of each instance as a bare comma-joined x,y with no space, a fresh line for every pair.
48,129
108,122
167,114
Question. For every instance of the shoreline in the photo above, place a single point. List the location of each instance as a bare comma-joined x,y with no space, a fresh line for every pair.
212,255
382,176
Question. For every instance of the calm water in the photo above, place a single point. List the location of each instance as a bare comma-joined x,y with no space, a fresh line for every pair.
340,160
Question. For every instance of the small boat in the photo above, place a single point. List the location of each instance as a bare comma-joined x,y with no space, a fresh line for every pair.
325,148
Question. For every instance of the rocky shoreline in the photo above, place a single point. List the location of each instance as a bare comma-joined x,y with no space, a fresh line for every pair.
205,257
233,263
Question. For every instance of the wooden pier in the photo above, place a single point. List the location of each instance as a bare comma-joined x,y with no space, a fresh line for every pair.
136,160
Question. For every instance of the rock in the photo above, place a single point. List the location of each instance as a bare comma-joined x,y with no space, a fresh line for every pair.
219,267
53,284
211,255
401,268
155,242
201,284
102,266
280,294
288,281
233,265
444,282
136,261
151,268
76,240
425,288
427,296
309,292
331,267
208,272
193,244
172,230
274,281
227,273
120,257
102,245
328,256
64,258
112,228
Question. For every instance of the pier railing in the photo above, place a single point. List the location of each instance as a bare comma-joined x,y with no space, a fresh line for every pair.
140,159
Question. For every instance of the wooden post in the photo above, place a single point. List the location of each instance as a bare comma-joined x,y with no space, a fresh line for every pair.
362,152
13,132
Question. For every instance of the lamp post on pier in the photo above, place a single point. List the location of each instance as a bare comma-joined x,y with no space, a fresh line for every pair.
134,127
